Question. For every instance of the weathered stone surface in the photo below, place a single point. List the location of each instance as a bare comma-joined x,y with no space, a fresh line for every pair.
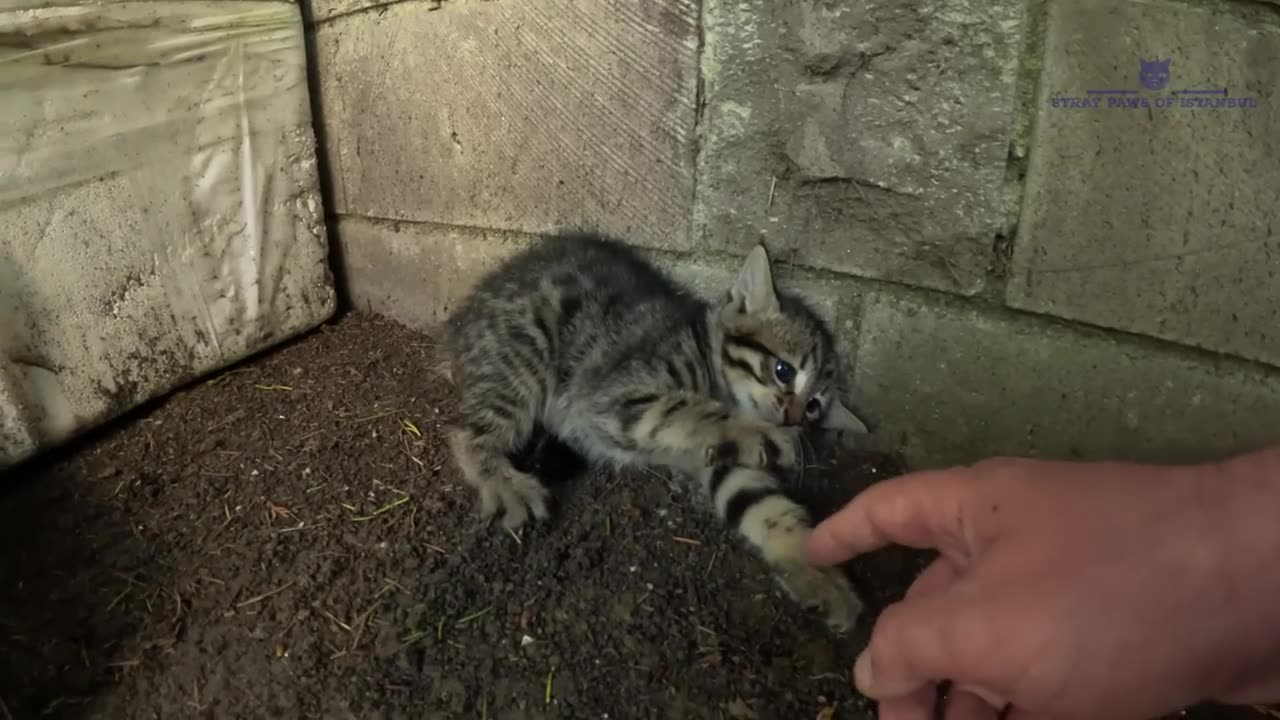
516,116
323,11
1157,220
160,206
327,10
869,137
954,385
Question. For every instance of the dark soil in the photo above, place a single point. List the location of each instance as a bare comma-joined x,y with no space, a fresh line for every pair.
289,540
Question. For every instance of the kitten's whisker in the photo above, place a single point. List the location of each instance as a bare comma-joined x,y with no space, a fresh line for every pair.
806,451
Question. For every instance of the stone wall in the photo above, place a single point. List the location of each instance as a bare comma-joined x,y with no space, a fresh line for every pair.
1030,234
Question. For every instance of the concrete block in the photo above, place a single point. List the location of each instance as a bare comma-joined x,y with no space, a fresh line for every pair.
160,205
868,137
1152,212
516,116
415,272
951,385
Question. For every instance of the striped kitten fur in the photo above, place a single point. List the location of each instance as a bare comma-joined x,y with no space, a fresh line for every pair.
580,335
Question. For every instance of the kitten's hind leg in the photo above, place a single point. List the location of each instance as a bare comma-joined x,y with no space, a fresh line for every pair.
752,502
503,383
487,468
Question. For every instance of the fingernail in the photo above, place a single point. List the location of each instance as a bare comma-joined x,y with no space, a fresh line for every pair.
862,672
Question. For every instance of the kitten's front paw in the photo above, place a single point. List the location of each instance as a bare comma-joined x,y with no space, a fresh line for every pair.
761,446
518,496
826,589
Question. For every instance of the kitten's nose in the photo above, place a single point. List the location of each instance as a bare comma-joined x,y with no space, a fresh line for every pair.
794,412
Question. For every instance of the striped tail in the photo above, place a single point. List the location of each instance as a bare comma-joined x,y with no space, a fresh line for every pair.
753,503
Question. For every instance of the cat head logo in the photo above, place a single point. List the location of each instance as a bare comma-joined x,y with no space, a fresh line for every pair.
1154,74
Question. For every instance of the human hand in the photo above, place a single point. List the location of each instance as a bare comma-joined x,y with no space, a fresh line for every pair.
1090,591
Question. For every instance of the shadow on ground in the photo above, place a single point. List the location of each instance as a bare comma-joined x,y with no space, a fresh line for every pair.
84,585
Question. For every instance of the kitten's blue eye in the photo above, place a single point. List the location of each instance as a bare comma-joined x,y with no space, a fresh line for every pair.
784,372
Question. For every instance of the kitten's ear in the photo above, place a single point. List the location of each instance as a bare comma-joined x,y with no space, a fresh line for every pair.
839,417
754,291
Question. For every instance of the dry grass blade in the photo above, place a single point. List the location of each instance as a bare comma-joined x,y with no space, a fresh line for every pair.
473,616
385,508
376,416
265,595
361,623
336,621
409,426
226,376
119,597
177,605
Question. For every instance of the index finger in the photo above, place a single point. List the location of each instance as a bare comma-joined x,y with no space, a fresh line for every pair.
920,510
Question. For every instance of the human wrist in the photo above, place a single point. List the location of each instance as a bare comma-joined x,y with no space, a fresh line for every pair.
1243,494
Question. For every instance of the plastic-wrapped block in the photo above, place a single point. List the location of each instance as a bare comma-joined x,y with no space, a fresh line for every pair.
160,214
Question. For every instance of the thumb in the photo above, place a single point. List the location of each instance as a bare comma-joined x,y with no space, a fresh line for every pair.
928,639
919,510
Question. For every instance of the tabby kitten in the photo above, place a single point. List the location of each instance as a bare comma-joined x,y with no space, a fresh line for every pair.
582,336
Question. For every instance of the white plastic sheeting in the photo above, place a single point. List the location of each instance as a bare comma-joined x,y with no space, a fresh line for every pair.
159,208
